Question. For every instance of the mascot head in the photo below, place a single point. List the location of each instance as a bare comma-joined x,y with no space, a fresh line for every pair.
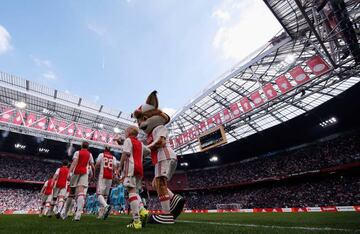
148,115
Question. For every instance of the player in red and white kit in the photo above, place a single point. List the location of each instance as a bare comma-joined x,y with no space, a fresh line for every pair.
59,193
131,164
46,193
79,180
107,164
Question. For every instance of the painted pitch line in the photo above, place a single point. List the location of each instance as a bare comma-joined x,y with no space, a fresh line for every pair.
265,226
273,226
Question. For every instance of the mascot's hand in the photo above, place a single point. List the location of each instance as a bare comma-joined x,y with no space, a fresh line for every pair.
161,142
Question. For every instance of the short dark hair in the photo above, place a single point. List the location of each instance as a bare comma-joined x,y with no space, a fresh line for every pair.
65,162
107,148
85,145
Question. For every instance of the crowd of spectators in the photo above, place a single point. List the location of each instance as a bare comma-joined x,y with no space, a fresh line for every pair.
331,191
339,151
323,191
19,199
26,168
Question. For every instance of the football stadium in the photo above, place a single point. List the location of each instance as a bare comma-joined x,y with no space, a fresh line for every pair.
272,145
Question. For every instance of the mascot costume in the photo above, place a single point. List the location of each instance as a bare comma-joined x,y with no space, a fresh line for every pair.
152,121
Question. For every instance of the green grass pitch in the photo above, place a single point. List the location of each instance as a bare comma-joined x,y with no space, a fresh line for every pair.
346,222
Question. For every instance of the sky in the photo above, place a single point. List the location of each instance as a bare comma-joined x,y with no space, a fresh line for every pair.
115,52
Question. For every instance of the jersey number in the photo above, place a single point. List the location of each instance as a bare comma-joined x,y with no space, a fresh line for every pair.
108,163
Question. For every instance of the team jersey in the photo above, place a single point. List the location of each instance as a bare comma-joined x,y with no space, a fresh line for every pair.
84,159
163,153
133,165
62,174
107,164
49,184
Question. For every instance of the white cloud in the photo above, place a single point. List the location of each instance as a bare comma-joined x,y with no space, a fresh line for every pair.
169,111
41,62
50,75
5,38
221,15
96,29
252,26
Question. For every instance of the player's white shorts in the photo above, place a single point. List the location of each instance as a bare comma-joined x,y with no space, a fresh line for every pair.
59,192
166,168
47,198
103,186
79,180
132,182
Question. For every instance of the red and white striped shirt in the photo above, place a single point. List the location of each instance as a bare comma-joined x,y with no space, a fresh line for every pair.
165,152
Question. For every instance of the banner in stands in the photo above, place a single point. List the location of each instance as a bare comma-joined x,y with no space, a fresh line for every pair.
297,76
255,210
11,115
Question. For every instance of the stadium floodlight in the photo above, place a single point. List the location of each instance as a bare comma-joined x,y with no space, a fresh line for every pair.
20,104
19,146
328,122
116,130
184,164
44,150
214,159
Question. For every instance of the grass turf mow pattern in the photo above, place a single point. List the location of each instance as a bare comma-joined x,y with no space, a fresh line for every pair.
344,222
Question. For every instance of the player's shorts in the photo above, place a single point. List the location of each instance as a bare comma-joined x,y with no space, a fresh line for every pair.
103,186
59,192
79,180
47,198
166,168
132,182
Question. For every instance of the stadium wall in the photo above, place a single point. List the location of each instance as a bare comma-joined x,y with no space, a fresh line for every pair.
255,210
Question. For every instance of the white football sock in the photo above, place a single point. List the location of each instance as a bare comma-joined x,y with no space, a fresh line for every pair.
134,206
102,201
80,202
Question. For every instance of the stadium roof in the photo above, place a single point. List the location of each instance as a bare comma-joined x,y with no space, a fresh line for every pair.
304,37
54,104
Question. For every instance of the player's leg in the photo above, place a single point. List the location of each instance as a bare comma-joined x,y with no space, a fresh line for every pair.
130,185
160,184
60,202
144,213
100,197
54,199
69,203
107,208
43,203
70,199
47,210
177,202
81,195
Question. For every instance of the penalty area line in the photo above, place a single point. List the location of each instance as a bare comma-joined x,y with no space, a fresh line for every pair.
273,226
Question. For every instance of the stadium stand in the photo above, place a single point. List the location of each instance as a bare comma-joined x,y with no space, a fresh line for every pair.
339,151
297,178
25,167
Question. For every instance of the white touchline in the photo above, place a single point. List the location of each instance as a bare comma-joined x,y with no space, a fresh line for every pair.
273,226
264,226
